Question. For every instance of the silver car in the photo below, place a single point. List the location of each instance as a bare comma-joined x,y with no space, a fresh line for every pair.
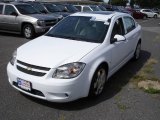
23,18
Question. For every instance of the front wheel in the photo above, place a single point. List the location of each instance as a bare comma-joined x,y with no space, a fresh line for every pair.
98,82
28,31
137,51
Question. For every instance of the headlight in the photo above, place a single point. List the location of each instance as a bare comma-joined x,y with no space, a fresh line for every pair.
41,22
70,70
13,59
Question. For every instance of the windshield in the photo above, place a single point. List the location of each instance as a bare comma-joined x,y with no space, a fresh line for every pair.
26,9
52,8
71,8
95,8
38,7
80,28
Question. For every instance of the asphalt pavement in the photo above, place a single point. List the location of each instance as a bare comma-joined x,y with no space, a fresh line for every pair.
121,100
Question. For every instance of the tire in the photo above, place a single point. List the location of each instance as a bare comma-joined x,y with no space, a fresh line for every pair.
145,17
28,31
155,16
137,51
98,81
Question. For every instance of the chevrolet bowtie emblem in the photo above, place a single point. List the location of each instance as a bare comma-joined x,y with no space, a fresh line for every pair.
29,68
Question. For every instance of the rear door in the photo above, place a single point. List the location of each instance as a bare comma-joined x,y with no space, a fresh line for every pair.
10,19
130,33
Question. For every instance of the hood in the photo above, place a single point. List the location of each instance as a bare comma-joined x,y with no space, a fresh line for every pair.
64,14
56,15
43,16
53,52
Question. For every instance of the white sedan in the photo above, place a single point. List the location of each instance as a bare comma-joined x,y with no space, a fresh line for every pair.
149,13
76,57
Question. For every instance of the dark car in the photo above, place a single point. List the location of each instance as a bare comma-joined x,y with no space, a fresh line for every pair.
55,9
156,10
42,9
102,7
120,9
137,14
67,8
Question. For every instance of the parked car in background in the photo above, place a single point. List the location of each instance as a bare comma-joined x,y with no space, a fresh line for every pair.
58,67
156,10
55,9
42,9
23,18
102,7
95,8
120,9
87,8
149,13
67,8
137,14
83,8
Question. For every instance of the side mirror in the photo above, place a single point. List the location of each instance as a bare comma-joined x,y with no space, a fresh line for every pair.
119,38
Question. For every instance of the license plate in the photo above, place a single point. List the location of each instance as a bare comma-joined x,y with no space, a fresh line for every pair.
23,84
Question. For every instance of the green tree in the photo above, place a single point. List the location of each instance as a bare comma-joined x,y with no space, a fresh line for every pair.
148,3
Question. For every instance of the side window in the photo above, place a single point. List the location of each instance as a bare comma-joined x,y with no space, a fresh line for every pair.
1,9
9,10
129,24
118,28
86,9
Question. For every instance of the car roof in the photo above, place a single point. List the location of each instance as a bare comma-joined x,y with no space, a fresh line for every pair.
99,15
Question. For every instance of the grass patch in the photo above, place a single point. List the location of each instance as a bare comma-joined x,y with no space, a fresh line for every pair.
152,91
145,74
122,106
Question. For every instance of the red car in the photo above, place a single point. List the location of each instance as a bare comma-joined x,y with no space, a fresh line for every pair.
137,14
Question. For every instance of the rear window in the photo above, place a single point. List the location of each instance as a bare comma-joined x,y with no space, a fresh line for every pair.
1,9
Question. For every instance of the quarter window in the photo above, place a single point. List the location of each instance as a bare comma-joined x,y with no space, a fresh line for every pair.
9,10
1,8
129,24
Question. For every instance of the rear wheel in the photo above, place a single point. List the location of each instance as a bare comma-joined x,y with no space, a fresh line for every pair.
28,31
155,16
98,81
145,17
137,51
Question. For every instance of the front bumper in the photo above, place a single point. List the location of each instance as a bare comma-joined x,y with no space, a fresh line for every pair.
41,29
48,88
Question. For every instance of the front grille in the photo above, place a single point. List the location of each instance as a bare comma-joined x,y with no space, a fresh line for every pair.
33,91
31,69
30,72
50,22
33,66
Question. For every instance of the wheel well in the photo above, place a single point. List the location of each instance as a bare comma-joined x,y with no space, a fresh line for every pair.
23,24
105,65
